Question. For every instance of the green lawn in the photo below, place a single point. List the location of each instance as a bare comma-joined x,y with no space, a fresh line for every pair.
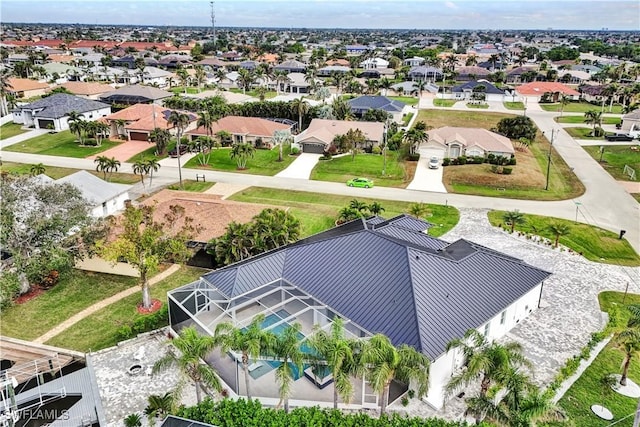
478,106
264,162
191,185
318,212
59,144
595,244
409,100
615,157
581,107
582,133
99,330
179,90
407,119
73,294
513,105
57,173
587,390
255,94
10,129
342,169
439,102
580,120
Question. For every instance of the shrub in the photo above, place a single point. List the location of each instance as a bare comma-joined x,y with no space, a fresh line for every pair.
295,150
598,131
446,161
455,161
9,288
145,323
333,150
376,150
494,169
462,160
411,393
50,280
404,401
413,157
507,171
512,161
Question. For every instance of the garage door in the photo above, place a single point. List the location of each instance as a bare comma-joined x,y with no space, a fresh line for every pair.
46,124
138,136
313,148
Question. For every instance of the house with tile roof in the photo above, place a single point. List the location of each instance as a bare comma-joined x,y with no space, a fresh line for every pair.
362,104
534,91
53,111
26,88
254,130
138,121
321,132
416,289
470,73
460,141
89,90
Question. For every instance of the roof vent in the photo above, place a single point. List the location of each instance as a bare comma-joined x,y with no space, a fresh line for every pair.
417,256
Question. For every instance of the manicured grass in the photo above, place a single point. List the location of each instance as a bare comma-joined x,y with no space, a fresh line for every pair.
191,185
264,162
481,119
8,130
478,106
587,390
580,120
636,196
513,105
318,212
409,100
57,173
615,157
342,169
255,94
439,102
582,133
179,90
581,107
59,144
100,330
73,294
595,244
407,119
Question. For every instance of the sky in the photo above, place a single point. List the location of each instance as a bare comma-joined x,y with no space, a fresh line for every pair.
383,14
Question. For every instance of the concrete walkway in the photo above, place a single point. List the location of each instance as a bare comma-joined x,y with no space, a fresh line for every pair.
301,167
22,137
102,304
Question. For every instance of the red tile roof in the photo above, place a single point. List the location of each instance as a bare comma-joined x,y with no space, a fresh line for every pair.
539,88
141,117
238,125
20,85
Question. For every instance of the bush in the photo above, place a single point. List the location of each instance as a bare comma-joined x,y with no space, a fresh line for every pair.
295,150
598,131
446,161
333,150
455,161
507,171
512,161
50,280
404,401
411,393
413,157
326,156
462,160
376,150
145,323
9,289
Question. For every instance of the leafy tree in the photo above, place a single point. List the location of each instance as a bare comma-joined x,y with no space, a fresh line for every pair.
37,169
517,127
251,342
286,348
558,230
513,218
242,152
341,109
385,363
376,208
281,137
375,115
193,347
144,242
161,138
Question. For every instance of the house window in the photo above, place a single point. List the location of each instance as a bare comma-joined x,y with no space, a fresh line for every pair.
486,329
503,317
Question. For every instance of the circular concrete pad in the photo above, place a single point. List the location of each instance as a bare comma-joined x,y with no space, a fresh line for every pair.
630,390
602,412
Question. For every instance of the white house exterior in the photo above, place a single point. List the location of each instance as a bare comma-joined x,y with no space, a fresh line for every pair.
374,64
458,141
53,111
106,198
631,123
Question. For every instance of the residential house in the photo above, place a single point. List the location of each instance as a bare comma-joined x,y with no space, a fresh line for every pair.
330,69
374,63
254,130
26,88
106,198
534,91
131,95
459,141
484,49
515,75
248,65
592,92
425,73
575,77
89,90
212,63
127,61
140,120
339,61
356,49
416,61
175,61
631,123
155,76
480,90
291,66
296,83
471,73
411,87
60,73
52,112
321,132
416,289
362,104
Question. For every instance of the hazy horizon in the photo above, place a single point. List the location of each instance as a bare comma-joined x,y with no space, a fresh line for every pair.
570,15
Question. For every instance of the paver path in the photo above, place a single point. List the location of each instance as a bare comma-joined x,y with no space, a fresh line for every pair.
125,151
102,304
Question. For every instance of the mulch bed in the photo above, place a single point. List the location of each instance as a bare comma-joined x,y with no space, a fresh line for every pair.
33,293
155,306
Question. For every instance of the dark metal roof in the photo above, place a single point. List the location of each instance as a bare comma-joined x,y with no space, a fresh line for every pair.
135,94
376,103
61,104
391,277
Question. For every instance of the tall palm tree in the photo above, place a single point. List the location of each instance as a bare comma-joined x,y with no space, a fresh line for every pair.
183,76
241,153
385,84
200,76
281,137
179,121
76,124
385,363
558,230
251,342
140,168
37,169
513,218
628,341
300,107
5,87
564,101
193,348
102,164
594,118
286,348
152,165
339,353
161,138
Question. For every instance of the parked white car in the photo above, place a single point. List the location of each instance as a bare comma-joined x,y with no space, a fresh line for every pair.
434,163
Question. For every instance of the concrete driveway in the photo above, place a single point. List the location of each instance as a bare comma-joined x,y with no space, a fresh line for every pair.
426,179
301,167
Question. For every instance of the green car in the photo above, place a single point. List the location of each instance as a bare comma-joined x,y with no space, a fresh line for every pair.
360,182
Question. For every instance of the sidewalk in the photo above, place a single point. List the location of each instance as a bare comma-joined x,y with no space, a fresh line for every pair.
102,304
22,137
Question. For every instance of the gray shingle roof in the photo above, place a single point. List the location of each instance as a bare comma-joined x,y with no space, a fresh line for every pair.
94,189
364,103
391,277
61,104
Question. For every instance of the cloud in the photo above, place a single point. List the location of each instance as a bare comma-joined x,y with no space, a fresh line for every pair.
451,5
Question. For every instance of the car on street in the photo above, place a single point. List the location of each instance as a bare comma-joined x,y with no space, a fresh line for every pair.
360,182
434,163
183,150
618,137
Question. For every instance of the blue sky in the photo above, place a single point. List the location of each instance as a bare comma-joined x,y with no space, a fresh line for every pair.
415,14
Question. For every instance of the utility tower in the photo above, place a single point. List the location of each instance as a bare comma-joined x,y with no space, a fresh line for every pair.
213,26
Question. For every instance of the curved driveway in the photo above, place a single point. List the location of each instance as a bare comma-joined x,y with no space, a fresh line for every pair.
605,203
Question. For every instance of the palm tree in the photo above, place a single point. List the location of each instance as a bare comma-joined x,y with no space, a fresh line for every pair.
564,100
384,363
300,107
193,347
140,168
179,121
339,353
200,76
183,76
120,124
5,87
593,117
513,218
385,84
37,169
242,152
161,138
419,210
627,341
281,137
558,230
102,164
133,420
375,208
251,342
151,166
76,124
160,406
494,60
286,348
489,360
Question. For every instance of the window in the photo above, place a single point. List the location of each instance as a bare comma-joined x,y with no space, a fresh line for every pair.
486,330
503,317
